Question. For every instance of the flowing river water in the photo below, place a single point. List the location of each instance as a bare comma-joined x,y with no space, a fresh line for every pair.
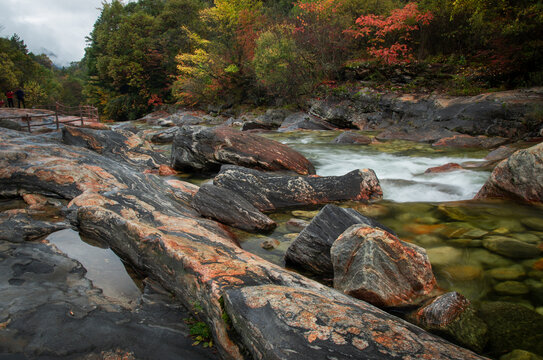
430,210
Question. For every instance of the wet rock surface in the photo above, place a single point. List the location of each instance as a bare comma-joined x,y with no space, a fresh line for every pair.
419,135
453,316
140,217
273,191
349,137
277,322
50,309
304,121
19,226
206,149
444,168
375,266
468,141
311,249
519,177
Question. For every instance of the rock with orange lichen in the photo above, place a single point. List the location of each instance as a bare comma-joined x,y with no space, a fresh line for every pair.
278,322
231,209
311,248
205,149
121,145
273,191
519,177
452,316
375,266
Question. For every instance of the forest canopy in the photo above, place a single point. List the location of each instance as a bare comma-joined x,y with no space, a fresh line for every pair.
148,53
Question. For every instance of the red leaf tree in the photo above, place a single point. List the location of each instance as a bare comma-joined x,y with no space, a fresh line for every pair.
389,38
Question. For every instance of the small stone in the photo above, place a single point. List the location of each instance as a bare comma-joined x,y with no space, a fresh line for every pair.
514,272
527,237
538,265
455,213
501,231
444,255
291,236
533,223
475,233
427,240
165,170
520,355
511,288
510,247
471,243
270,244
304,214
463,272
296,225
488,259
536,290
539,310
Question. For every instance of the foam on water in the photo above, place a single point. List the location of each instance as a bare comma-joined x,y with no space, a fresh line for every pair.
401,173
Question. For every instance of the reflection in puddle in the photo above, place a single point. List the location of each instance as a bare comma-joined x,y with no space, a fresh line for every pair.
104,268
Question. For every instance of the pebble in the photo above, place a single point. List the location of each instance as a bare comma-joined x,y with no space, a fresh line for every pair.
472,243
533,223
511,288
444,255
510,247
514,272
270,244
304,214
527,237
488,259
463,272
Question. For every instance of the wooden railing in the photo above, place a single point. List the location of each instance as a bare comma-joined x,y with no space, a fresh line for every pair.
82,112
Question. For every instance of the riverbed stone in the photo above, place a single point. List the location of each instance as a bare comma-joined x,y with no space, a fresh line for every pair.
19,226
375,266
511,247
268,192
452,316
304,121
466,243
205,149
296,225
520,355
311,249
533,223
443,168
511,288
512,326
519,177
468,141
461,272
514,272
536,290
503,152
444,255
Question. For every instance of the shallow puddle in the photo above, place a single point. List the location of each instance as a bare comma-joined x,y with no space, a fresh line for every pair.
104,268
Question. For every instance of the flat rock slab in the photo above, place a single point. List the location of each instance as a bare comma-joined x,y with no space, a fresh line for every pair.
304,121
311,248
121,145
20,226
519,177
375,266
198,148
468,141
268,192
277,322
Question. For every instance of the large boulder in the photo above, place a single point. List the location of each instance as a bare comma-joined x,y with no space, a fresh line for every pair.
231,209
278,322
271,191
198,148
375,266
304,121
311,248
519,177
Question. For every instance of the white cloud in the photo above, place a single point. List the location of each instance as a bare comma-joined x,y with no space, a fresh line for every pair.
59,26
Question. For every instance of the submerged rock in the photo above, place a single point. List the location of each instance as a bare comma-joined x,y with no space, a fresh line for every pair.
272,191
419,135
452,316
511,248
444,168
311,249
375,266
512,326
519,177
199,148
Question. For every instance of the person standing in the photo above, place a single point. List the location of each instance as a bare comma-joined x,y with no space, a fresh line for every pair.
20,97
9,95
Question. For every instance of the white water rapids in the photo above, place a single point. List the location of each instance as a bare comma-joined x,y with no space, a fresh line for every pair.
400,171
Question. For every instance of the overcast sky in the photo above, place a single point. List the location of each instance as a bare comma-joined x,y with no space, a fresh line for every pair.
51,26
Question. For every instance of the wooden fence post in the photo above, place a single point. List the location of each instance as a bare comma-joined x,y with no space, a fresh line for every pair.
27,117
